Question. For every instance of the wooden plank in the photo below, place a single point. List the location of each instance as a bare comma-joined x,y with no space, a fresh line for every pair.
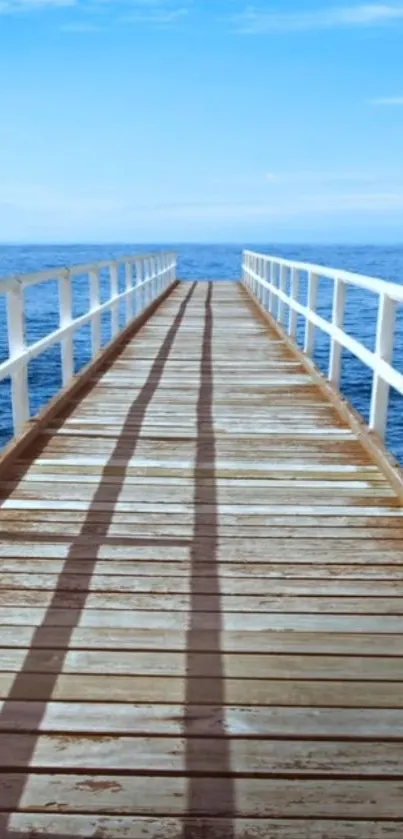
231,587
230,621
172,690
18,568
133,827
167,484
227,603
164,796
359,553
260,641
149,529
205,721
59,753
342,497
237,666
247,515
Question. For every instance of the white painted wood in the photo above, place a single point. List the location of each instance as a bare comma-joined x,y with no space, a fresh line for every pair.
94,308
261,275
129,286
114,280
143,287
273,283
339,301
139,272
383,352
165,276
390,294
392,290
311,305
294,291
65,319
283,288
266,277
15,366
153,274
173,271
16,346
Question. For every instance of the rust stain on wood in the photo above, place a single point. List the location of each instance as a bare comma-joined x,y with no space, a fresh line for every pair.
201,543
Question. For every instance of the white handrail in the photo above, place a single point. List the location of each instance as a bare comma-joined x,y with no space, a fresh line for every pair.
153,274
268,276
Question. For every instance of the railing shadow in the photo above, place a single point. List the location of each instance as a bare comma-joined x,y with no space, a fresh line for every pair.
213,796
92,535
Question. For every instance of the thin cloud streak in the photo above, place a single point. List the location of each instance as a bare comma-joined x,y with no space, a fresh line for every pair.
80,28
254,21
388,100
158,16
18,6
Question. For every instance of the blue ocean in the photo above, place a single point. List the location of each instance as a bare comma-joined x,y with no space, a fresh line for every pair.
200,262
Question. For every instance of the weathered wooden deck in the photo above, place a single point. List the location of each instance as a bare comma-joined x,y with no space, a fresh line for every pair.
201,600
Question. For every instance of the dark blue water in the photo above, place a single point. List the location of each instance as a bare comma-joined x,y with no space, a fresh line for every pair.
201,262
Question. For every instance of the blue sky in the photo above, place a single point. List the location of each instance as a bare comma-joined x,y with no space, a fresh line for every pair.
194,120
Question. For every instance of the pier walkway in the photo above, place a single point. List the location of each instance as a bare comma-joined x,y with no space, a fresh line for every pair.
201,604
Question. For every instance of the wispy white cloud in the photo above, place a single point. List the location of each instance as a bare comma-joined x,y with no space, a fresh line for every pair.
257,21
388,100
276,182
15,6
80,28
157,15
157,12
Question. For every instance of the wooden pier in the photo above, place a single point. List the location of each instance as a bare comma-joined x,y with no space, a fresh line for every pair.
201,595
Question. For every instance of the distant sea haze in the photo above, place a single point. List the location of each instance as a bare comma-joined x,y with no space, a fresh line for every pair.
201,262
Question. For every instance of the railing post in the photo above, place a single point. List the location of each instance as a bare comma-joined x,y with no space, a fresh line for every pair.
65,319
294,292
257,274
165,272
257,284
16,346
266,275
273,300
159,275
94,305
139,280
384,351
253,270
153,269
128,287
339,302
261,276
283,288
247,269
114,280
143,287
309,344
147,264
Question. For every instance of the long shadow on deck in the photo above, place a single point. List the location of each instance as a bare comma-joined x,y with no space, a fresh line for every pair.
28,685
207,796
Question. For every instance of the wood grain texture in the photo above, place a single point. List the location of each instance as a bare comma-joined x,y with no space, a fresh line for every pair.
62,826
201,599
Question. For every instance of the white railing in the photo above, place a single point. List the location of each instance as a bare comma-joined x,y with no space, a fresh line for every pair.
269,277
145,278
